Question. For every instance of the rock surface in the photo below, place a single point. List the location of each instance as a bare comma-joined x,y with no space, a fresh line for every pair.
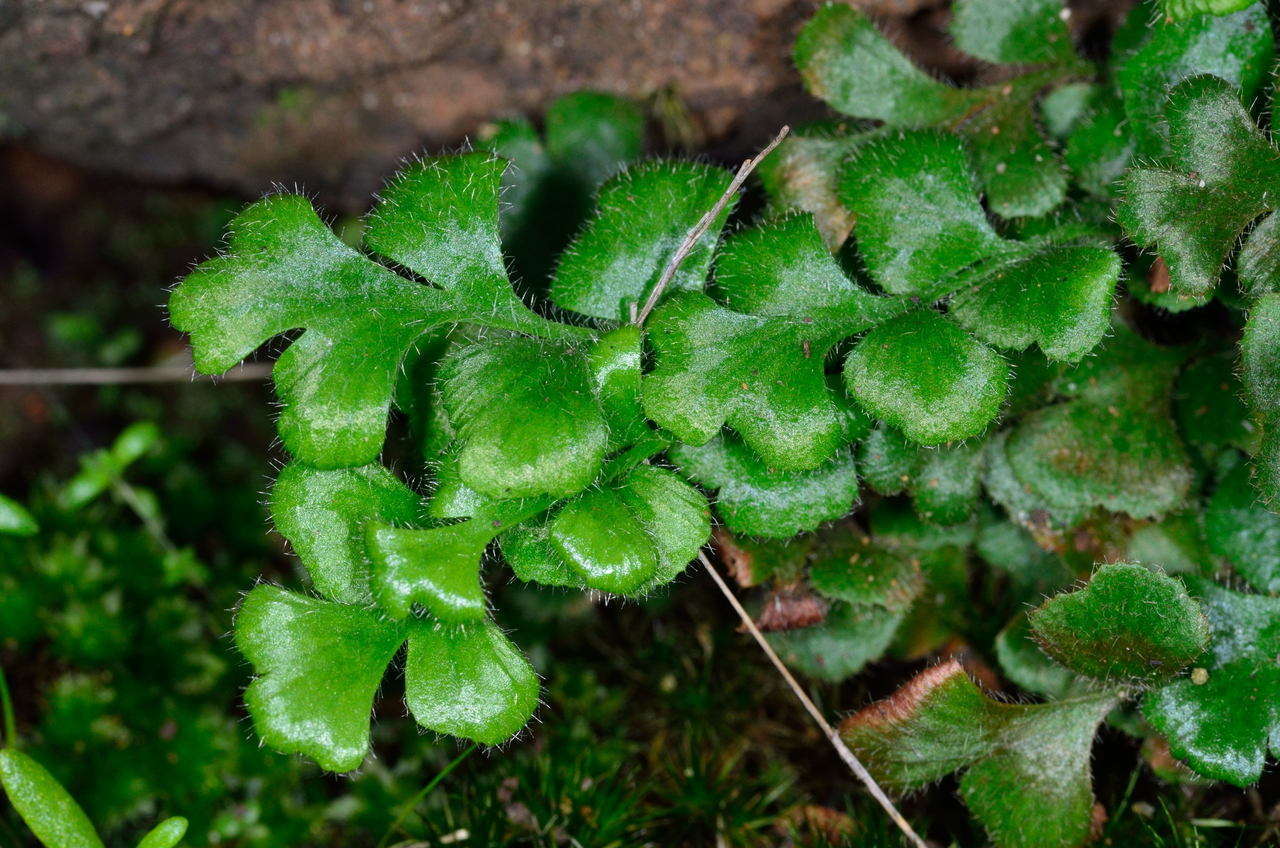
329,94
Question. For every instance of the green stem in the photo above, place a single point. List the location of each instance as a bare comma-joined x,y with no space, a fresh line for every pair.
412,804
6,705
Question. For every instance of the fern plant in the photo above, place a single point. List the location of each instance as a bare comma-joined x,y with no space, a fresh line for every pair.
936,307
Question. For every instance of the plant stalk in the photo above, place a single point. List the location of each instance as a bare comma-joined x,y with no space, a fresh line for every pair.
10,722
412,804
704,223
850,759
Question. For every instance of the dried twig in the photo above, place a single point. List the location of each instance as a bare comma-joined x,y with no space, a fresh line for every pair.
850,759
695,233
120,376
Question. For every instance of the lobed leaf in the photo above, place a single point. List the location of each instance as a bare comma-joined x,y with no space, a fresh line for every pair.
285,270
1022,661
851,636
761,374
947,230
944,482
1241,530
319,665
529,421
1178,9
924,375
1025,767
1237,48
844,60
1260,366
1059,299
439,567
1054,290
469,681
759,501
1217,180
1112,443
628,536
323,513
857,570
1128,623
1024,32
642,216
1222,719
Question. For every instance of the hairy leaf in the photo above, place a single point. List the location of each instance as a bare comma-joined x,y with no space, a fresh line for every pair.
947,232
469,681
1222,718
927,377
1177,9
851,636
761,373
1023,32
1111,444
944,482
1055,292
1025,768
759,501
1128,624
323,515
643,215
1059,298
1237,48
285,270
1240,529
855,569
319,666
845,61
1209,405
628,536
529,421
1217,180
439,567
1260,361
1022,661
